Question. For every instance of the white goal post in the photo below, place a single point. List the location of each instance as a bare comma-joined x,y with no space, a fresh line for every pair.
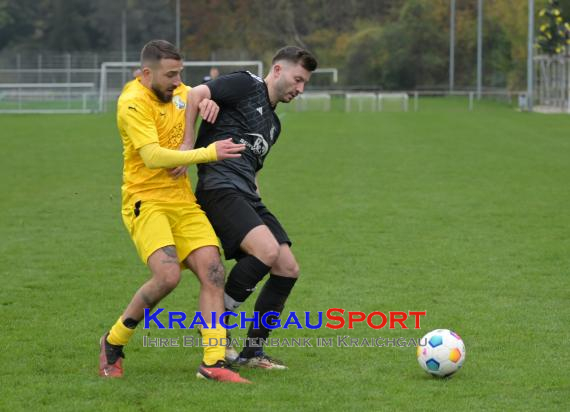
329,70
400,99
313,101
108,67
372,102
49,98
360,102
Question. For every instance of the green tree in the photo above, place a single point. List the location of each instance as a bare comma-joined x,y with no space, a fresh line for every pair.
554,33
509,24
145,20
409,52
18,19
394,44
67,25
363,64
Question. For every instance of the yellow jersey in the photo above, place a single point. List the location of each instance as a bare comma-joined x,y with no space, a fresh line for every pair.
142,119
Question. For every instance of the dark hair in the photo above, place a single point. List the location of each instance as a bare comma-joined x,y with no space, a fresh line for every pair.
156,50
296,55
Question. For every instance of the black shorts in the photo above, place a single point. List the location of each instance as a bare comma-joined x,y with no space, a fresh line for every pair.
233,215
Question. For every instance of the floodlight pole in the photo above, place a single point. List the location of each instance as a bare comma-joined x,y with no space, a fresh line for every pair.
178,24
451,45
479,48
529,58
124,42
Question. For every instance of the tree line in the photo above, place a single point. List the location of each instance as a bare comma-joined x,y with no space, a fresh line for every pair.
391,44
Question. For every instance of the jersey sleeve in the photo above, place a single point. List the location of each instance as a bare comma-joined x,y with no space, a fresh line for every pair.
230,88
156,157
137,121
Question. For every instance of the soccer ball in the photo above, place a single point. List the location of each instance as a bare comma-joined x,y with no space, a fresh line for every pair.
441,352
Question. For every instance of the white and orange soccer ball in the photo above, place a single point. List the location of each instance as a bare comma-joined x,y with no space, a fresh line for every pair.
441,352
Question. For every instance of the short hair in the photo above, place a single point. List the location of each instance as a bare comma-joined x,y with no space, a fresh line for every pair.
156,50
296,55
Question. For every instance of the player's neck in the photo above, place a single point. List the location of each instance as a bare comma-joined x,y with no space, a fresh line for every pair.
145,82
272,94
148,86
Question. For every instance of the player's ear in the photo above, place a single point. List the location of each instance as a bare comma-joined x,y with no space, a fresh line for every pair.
277,69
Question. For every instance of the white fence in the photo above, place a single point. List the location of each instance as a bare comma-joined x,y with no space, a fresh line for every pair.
87,98
552,85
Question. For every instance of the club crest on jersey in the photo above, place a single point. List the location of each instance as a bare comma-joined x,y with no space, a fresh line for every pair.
178,102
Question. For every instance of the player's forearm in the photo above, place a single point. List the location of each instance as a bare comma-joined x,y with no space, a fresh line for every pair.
156,157
195,96
189,128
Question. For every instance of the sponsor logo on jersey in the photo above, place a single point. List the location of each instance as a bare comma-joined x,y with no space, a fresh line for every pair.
260,147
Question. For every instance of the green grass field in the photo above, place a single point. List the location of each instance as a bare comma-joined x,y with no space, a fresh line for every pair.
465,215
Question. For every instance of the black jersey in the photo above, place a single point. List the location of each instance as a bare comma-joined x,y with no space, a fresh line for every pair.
246,116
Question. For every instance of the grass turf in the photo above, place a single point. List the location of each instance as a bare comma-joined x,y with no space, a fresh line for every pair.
464,215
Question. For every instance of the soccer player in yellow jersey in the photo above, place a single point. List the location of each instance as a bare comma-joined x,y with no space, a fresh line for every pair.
167,226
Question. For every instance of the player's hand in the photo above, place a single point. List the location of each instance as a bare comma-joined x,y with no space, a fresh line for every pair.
208,110
179,171
226,149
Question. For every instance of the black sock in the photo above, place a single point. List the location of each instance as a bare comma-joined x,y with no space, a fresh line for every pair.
113,352
131,323
243,278
271,299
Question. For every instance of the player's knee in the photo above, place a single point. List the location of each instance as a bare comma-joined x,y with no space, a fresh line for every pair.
168,281
295,270
291,269
268,254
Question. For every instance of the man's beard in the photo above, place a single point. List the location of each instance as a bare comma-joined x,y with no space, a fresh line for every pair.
287,97
283,95
162,95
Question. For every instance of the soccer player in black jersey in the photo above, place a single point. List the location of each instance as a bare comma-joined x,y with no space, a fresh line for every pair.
228,190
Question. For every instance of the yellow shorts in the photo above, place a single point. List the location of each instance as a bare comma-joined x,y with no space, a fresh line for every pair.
153,225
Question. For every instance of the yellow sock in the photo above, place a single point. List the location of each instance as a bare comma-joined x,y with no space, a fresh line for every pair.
216,338
120,334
